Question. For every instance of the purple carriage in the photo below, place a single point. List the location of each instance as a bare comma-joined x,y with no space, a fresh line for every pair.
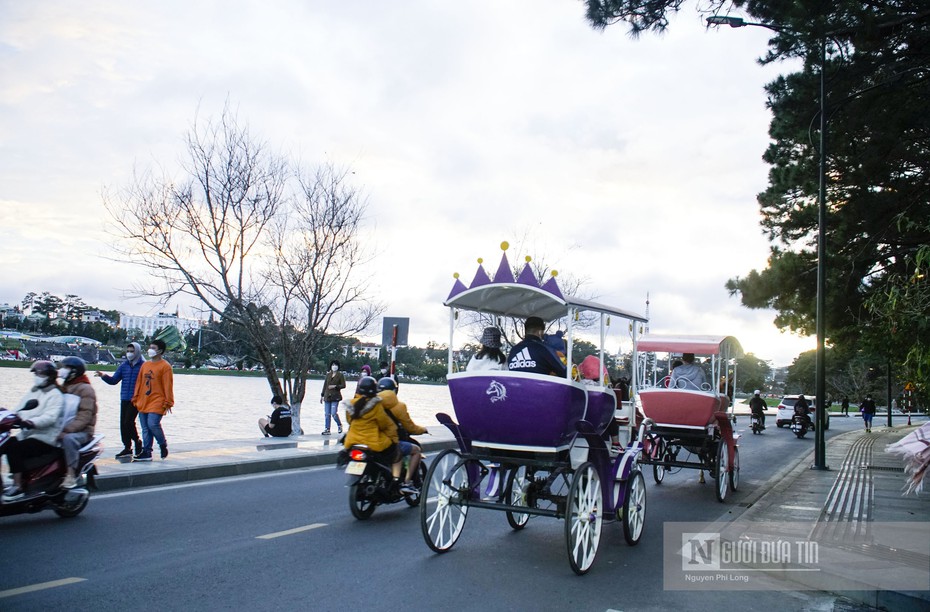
533,444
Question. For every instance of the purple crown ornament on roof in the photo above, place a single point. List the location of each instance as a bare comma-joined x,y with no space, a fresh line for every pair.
504,275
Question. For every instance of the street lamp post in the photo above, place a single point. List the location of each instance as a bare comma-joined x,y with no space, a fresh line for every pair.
820,372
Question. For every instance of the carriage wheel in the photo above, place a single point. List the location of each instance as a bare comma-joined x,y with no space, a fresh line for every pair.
583,518
634,508
734,473
517,486
723,462
659,452
442,515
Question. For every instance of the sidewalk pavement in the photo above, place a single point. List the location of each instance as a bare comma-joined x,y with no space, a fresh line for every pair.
868,532
222,458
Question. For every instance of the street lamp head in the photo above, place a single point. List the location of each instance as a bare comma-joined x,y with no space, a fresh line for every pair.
733,22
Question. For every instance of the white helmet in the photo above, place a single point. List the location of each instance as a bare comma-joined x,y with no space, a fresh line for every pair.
756,392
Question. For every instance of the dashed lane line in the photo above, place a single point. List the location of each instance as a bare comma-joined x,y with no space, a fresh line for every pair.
40,587
278,534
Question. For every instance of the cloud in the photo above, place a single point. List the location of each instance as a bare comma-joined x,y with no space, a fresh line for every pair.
634,163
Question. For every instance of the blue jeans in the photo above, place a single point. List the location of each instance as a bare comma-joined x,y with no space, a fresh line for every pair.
150,422
331,410
71,443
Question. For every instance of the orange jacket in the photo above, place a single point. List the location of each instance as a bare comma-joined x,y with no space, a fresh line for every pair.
154,387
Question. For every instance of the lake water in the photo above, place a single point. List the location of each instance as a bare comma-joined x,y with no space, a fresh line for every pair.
225,407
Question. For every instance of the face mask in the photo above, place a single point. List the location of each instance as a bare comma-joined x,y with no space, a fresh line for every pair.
40,380
130,355
383,370
334,368
63,373
152,352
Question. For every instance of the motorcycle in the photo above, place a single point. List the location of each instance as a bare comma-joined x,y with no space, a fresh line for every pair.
42,484
372,484
799,425
755,422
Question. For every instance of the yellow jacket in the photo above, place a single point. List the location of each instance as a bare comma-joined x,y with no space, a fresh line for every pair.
371,426
399,410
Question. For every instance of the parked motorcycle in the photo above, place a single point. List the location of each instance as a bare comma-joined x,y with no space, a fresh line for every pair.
372,484
42,484
799,425
756,424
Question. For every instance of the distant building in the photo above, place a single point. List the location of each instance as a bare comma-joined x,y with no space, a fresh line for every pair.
95,316
149,325
372,351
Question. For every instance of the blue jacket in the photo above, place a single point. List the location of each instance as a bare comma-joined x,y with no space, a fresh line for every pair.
532,355
126,372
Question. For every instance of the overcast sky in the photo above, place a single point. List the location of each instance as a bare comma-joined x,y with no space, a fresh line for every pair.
631,163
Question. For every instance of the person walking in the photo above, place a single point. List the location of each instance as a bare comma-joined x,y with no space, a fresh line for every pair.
845,405
126,373
867,408
331,395
153,398
80,430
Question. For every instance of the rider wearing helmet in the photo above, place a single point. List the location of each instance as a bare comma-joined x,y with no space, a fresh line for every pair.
369,424
397,411
39,412
80,430
757,405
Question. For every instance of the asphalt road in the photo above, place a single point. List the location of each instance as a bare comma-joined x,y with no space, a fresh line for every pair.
286,541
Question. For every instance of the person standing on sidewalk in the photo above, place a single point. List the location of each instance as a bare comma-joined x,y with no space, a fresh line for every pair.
845,405
127,372
331,395
153,397
80,430
867,408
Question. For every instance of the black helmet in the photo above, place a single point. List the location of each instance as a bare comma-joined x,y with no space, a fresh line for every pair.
387,384
44,368
367,386
75,364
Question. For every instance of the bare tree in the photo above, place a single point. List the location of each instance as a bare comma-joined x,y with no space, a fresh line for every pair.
318,273
259,245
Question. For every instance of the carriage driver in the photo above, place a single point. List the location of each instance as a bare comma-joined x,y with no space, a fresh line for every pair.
532,354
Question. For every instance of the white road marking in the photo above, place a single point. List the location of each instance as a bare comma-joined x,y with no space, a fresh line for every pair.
40,587
278,534
209,481
809,508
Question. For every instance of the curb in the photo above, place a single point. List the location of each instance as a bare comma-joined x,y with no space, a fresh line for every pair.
241,467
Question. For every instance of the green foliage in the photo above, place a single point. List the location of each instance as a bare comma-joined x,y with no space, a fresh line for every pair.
752,373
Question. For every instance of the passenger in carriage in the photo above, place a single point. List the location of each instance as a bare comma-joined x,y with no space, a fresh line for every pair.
532,354
688,375
489,357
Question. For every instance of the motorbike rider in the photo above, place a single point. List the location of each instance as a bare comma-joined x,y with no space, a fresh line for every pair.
370,425
39,412
757,405
80,430
397,411
803,408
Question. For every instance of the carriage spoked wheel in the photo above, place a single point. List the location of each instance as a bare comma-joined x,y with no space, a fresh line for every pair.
517,486
583,518
734,472
442,513
634,508
660,452
723,478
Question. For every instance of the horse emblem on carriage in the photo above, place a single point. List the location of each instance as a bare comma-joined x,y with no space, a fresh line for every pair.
497,391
